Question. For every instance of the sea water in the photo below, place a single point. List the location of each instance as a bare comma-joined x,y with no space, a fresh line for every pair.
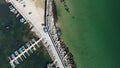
12,36
91,31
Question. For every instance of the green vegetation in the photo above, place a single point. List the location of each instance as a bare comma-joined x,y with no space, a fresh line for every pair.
91,31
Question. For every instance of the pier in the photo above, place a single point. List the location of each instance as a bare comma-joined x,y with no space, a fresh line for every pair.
22,51
48,32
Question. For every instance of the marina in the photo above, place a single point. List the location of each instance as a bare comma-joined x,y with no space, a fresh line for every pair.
13,10
47,32
12,34
90,31
15,56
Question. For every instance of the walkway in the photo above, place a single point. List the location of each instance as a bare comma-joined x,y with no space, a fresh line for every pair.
28,10
21,52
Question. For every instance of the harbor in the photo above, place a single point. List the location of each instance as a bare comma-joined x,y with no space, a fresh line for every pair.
46,29
15,34
21,52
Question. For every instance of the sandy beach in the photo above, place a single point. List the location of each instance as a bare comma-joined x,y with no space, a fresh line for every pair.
40,10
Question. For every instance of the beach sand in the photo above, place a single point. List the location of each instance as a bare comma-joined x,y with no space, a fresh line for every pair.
38,3
40,11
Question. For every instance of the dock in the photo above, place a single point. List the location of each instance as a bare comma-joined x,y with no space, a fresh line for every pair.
21,52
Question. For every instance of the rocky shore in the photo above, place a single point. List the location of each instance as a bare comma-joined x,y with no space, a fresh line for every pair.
68,54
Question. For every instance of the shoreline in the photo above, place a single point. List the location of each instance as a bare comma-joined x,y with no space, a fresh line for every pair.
34,29
70,56
59,33
39,15
61,7
56,22
11,39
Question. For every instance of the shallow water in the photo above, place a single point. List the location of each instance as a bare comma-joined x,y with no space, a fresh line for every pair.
93,34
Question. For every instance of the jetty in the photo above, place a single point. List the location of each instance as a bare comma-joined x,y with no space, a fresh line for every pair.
43,22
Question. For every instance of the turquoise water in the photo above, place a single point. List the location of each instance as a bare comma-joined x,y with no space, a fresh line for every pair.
93,35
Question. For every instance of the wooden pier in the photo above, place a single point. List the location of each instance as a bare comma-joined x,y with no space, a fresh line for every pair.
22,51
